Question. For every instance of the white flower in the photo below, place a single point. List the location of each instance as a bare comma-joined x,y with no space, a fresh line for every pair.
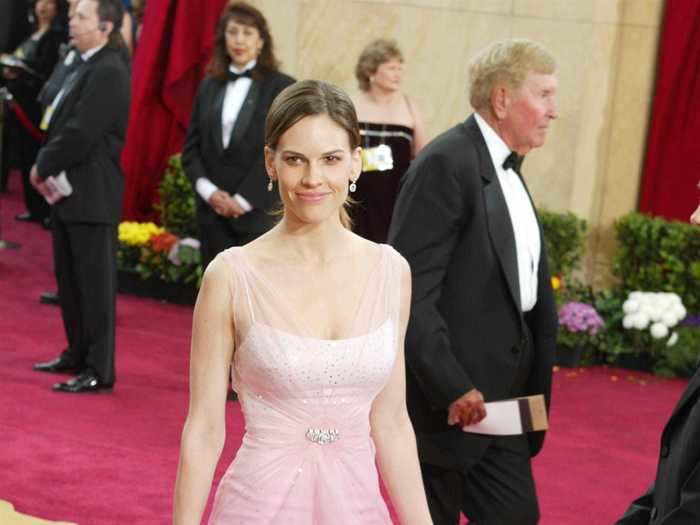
658,330
680,311
636,295
641,320
672,340
192,243
631,306
669,318
628,321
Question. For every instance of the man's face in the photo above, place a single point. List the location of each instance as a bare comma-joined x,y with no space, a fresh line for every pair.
531,109
84,26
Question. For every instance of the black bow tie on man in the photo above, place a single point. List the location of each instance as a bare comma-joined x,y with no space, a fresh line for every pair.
232,77
514,162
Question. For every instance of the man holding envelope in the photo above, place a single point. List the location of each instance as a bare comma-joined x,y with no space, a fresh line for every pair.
483,321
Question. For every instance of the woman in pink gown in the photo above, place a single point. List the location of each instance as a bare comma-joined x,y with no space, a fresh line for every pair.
309,320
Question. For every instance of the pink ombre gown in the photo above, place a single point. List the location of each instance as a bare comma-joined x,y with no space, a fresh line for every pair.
307,457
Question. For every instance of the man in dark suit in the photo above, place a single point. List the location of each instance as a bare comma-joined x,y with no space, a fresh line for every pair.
223,152
674,497
86,127
483,322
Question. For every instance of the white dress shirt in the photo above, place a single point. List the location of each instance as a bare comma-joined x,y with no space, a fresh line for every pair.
522,216
235,95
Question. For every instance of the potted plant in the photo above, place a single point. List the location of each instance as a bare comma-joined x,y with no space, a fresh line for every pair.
579,325
649,318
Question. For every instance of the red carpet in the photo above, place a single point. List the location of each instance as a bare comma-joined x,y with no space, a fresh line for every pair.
111,458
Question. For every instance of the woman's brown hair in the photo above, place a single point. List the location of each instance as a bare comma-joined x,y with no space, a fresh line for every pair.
248,15
308,98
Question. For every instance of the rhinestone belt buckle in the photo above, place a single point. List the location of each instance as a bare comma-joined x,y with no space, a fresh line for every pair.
322,436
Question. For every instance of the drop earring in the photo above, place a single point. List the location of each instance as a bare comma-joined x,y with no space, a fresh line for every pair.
353,186
269,185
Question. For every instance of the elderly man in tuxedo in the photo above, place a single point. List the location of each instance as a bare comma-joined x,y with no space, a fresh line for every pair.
86,123
483,322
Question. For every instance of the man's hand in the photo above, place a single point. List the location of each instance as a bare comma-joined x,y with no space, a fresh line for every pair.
225,205
220,201
38,182
467,410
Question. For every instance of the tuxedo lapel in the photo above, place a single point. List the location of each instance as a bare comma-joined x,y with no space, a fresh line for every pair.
216,111
497,216
72,80
246,114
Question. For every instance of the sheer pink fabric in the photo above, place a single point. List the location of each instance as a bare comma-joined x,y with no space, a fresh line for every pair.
290,383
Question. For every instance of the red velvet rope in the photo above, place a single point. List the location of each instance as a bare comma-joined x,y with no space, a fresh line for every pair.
25,121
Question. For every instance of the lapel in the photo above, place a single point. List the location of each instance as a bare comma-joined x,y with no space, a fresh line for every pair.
245,116
69,84
217,108
497,216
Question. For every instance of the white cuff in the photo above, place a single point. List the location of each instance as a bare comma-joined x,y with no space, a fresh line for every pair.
244,203
205,188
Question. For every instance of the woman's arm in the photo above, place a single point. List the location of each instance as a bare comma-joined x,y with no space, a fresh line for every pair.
393,435
204,432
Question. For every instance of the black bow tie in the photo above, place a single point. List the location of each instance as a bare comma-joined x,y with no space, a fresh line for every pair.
513,161
232,77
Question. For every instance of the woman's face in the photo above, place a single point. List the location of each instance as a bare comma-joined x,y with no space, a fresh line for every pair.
243,43
45,10
388,75
313,165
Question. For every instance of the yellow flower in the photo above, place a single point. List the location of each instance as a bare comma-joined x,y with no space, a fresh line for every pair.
137,233
556,283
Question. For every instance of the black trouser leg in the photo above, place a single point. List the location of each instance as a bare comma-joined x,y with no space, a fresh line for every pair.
497,490
69,296
90,283
443,489
500,489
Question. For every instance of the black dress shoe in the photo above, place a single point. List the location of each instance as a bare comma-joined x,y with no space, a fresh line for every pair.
57,366
231,396
48,298
85,382
26,217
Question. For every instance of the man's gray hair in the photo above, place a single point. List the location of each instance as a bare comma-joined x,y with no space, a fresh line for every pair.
506,62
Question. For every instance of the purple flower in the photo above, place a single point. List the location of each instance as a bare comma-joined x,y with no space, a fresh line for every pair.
580,317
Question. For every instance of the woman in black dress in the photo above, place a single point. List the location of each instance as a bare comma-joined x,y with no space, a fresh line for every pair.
35,58
392,133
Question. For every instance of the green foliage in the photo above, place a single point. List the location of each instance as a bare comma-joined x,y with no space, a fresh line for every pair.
660,256
177,205
682,358
157,264
564,237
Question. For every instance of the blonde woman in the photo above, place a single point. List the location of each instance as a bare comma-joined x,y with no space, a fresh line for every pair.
392,134
316,359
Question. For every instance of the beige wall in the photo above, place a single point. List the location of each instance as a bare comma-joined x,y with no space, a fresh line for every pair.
606,49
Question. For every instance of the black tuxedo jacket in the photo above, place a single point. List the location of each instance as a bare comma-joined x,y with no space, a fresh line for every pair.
240,168
674,497
85,138
466,330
